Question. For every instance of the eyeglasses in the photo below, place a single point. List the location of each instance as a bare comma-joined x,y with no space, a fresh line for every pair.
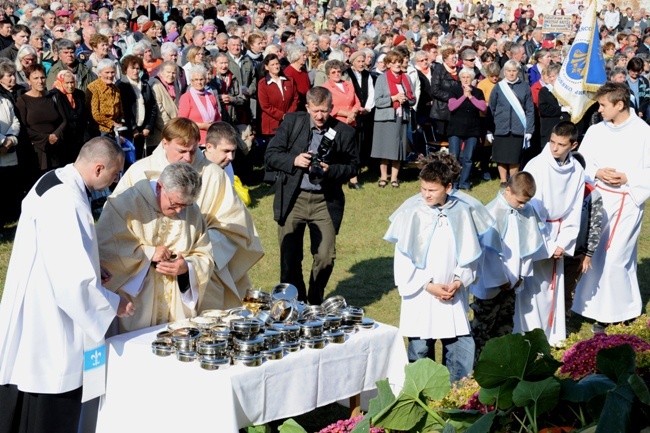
470,60
173,205
59,30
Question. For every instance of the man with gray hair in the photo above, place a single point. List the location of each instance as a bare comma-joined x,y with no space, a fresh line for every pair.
67,61
154,241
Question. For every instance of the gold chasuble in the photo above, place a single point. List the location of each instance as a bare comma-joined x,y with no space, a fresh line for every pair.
129,229
235,244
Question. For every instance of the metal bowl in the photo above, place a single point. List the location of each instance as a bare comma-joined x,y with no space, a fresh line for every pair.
312,312
185,339
348,329
311,329
273,354
331,321
312,343
245,326
212,363
164,335
221,334
284,311
271,338
217,314
247,360
256,300
238,312
265,317
251,347
288,332
352,315
186,356
203,323
162,348
334,303
367,324
337,336
285,291
180,324
212,347
290,346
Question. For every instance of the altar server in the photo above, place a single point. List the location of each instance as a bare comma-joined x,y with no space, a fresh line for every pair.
433,281
54,311
154,241
558,201
617,153
235,244
519,229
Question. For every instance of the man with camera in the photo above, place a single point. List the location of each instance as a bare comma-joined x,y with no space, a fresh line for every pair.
311,156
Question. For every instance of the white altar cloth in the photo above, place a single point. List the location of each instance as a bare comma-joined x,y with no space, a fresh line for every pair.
145,392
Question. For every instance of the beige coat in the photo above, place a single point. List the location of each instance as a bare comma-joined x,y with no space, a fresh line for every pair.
167,110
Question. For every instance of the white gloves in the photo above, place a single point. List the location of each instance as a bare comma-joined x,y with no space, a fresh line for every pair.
490,137
528,137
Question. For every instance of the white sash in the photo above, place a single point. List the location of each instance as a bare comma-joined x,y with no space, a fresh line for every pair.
516,106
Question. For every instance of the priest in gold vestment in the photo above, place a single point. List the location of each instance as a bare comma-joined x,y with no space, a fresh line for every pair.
153,240
235,244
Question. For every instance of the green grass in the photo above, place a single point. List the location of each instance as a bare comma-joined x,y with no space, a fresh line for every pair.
363,272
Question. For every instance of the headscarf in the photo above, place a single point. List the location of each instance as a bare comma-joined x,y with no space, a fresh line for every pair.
59,84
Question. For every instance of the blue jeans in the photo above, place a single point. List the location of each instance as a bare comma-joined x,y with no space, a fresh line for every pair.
466,161
457,354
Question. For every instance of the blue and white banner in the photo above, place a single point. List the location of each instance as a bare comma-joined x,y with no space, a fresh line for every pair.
583,70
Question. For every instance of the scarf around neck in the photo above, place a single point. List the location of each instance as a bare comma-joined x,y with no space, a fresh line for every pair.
206,110
393,81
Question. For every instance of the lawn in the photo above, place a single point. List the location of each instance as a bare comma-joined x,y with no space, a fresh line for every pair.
363,273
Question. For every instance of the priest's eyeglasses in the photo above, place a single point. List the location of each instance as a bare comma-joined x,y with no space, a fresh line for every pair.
173,205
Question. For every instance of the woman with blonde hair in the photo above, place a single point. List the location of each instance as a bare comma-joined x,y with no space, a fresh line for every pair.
26,57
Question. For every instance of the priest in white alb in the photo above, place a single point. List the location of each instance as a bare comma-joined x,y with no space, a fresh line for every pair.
617,153
235,244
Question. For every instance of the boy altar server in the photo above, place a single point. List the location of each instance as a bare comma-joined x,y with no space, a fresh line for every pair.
436,254
617,153
519,229
558,201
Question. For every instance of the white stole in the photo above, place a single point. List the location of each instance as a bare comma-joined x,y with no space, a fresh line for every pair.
516,106
207,111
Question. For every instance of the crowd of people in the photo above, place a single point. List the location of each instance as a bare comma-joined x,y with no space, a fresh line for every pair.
198,92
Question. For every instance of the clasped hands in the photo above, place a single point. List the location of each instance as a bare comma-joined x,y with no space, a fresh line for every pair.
400,97
611,177
443,292
167,264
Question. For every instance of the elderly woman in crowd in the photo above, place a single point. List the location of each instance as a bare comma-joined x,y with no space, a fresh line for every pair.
393,101
101,50
277,95
465,106
149,61
73,102
227,86
103,100
167,93
45,57
43,118
313,55
443,79
297,57
345,104
510,127
9,87
26,57
138,103
198,103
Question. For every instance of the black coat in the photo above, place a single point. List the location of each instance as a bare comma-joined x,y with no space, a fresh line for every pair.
292,139
425,100
465,121
442,84
550,114
75,133
129,103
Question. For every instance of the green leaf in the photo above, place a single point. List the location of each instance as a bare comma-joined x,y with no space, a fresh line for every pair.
290,426
362,426
403,414
617,363
617,411
385,398
501,394
586,389
258,429
484,424
428,424
640,388
426,377
515,356
543,394
449,429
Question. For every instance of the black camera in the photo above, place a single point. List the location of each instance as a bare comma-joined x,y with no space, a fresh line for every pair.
316,172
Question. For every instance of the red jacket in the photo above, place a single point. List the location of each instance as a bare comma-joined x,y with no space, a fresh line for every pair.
273,104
